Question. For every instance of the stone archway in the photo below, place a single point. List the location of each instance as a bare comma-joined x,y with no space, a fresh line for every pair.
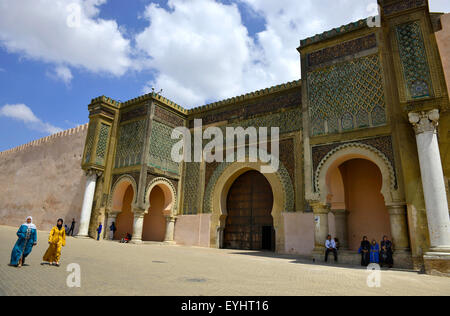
120,206
219,185
324,200
160,202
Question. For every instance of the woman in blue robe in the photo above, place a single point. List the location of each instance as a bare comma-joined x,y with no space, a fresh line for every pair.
374,252
27,239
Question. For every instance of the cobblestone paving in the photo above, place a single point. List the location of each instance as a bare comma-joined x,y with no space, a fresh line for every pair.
110,268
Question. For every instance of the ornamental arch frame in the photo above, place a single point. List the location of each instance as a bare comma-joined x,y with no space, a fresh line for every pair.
170,195
217,191
119,186
390,191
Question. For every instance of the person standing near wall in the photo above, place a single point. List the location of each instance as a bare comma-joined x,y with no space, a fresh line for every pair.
72,228
99,230
27,234
112,231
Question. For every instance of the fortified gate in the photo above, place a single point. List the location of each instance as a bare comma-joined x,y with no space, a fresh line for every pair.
364,143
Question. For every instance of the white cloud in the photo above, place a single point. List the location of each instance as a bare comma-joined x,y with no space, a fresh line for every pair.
64,32
61,73
200,50
23,113
439,5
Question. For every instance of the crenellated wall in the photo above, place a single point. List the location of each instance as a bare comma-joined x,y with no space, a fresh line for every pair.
43,179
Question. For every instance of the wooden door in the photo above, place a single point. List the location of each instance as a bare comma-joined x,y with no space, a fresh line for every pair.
249,206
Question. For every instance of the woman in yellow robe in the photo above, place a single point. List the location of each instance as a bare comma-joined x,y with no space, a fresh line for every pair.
56,240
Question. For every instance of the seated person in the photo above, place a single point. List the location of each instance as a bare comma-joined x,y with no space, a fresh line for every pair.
330,246
126,239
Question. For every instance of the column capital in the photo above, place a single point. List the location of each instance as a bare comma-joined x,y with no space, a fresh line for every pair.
112,213
319,207
91,172
396,209
170,218
138,211
425,121
339,212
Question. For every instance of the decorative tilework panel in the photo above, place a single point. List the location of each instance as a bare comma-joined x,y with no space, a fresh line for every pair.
191,188
90,142
168,117
341,50
161,145
286,100
414,60
102,144
130,144
402,6
344,92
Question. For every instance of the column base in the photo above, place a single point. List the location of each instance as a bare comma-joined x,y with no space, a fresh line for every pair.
82,237
437,263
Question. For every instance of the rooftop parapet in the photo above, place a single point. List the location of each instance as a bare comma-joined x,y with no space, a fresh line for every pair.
334,32
247,96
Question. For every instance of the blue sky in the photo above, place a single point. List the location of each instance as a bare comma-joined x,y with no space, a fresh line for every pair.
56,55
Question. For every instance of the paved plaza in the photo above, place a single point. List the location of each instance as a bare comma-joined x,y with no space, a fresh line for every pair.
110,268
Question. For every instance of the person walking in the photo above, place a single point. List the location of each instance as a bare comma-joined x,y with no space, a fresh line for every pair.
56,240
27,234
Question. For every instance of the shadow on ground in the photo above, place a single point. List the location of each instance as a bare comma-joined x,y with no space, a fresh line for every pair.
307,260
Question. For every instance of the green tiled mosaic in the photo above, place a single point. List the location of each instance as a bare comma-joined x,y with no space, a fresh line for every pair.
414,60
191,188
161,145
90,142
347,96
130,144
102,144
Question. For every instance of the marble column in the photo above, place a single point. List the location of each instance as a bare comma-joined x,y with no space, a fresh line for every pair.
170,229
399,226
340,218
112,218
425,125
86,210
138,225
321,228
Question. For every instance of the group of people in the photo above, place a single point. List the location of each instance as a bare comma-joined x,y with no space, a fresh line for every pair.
371,252
27,239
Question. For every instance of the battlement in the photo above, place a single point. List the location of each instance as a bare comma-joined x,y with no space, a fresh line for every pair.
45,140
334,32
248,96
